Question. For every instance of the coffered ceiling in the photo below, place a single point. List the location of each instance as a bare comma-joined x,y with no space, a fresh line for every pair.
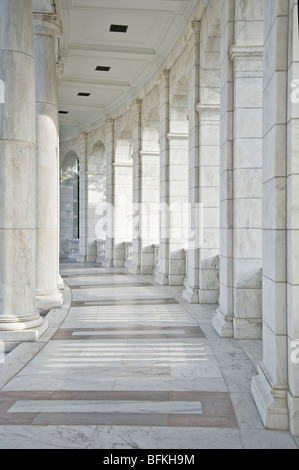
126,55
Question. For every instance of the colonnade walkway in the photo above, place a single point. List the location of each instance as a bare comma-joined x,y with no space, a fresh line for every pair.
127,364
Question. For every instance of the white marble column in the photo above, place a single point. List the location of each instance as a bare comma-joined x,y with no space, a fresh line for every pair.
18,171
178,206
247,191
270,387
83,199
110,195
223,320
149,211
163,269
209,197
240,311
135,267
192,283
46,30
60,283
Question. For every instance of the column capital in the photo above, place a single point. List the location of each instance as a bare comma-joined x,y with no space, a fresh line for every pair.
109,122
166,74
47,25
247,60
241,52
193,31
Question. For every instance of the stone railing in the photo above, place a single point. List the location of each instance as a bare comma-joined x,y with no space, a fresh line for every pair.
73,250
157,259
101,251
128,254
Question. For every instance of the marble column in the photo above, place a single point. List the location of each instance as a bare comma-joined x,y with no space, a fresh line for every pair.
270,387
247,191
192,282
223,320
178,206
162,276
149,209
60,282
110,193
18,170
46,30
135,267
209,198
83,198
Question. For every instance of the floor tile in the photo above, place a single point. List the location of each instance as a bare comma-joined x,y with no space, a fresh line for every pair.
133,365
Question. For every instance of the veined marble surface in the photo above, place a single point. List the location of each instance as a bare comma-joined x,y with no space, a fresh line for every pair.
133,375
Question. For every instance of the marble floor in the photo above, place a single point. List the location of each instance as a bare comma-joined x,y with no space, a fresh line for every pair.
127,364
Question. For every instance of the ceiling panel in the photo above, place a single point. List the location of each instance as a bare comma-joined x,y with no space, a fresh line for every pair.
153,27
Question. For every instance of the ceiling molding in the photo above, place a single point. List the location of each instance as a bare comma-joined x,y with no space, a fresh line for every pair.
107,84
96,50
73,104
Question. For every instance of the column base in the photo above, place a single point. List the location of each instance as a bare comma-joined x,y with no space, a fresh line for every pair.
293,405
247,328
272,404
51,300
60,283
190,294
223,325
208,296
108,263
19,333
162,279
134,269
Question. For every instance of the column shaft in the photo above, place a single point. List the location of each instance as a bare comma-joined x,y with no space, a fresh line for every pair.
192,281
135,267
46,30
163,268
18,169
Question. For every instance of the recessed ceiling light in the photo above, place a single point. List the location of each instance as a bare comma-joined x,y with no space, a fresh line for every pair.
101,68
63,112
118,28
83,94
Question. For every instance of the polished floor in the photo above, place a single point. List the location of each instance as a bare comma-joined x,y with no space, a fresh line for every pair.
127,364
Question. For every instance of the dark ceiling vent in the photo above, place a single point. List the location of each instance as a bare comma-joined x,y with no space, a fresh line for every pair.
63,112
101,68
83,94
118,28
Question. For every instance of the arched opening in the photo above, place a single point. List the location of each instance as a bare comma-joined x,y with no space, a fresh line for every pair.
69,206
